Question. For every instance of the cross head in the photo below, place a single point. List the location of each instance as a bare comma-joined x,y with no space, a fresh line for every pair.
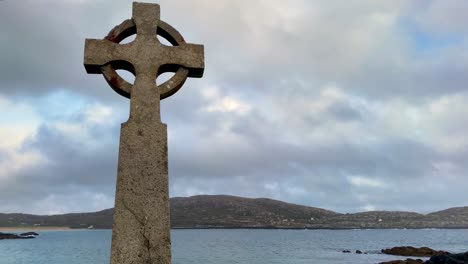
146,57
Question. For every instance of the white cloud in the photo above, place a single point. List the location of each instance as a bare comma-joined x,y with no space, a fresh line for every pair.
368,207
78,127
15,161
67,202
440,122
100,114
271,186
223,103
361,181
18,121
228,104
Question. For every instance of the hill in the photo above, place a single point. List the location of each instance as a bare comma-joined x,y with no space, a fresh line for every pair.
101,219
231,211
222,211
452,212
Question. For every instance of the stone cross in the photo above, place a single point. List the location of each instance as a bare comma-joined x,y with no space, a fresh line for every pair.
141,229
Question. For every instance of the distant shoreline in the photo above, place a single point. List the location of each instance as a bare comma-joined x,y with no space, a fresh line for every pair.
324,228
231,212
61,228
36,228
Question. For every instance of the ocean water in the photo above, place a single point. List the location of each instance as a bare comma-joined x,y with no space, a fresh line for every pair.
236,246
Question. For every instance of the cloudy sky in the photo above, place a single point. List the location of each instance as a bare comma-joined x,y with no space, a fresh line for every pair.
345,105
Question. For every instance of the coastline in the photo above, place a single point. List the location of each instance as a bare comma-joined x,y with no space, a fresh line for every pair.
36,228
64,228
321,228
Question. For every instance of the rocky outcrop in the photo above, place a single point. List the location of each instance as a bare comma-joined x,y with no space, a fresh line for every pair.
357,251
437,257
461,258
413,252
407,261
15,236
449,259
8,236
29,234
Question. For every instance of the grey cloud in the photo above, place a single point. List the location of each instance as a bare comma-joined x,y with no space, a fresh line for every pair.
442,17
344,112
252,151
67,168
42,46
53,33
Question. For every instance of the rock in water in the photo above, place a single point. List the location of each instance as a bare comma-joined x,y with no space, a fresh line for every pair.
413,252
15,236
407,261
8,236
449,259
29,234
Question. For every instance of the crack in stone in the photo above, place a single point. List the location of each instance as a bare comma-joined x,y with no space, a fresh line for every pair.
147,241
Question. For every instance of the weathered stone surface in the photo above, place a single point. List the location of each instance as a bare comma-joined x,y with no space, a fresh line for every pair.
413,252
141,228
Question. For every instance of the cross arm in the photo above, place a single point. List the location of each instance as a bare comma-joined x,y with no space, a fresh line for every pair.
190,56
100,52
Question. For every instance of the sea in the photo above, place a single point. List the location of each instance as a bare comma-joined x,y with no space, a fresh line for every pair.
233,246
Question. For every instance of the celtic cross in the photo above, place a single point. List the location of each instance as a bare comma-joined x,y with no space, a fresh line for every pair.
141,229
